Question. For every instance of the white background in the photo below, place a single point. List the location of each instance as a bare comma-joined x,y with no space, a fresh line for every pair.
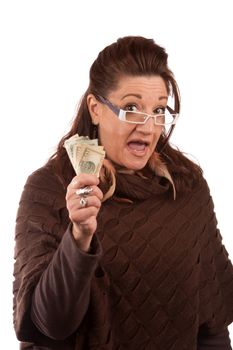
46,51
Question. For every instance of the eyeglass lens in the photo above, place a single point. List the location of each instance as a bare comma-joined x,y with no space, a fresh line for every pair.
140,118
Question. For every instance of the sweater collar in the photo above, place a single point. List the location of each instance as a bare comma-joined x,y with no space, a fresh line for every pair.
135,186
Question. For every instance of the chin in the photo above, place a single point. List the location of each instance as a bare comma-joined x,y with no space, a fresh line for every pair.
135,165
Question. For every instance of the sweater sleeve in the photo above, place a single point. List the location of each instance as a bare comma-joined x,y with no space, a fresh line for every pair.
52,276
61,297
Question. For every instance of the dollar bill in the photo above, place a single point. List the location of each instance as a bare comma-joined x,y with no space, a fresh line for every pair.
90,161
85,154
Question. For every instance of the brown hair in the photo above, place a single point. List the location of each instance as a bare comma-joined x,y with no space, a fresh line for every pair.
128,56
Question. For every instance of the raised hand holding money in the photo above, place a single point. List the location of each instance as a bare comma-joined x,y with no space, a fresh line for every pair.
85,154
83,198
83,201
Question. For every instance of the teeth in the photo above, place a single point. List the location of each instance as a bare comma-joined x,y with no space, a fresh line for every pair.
141,142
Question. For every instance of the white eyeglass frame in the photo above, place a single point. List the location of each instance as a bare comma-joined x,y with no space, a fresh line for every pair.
121,113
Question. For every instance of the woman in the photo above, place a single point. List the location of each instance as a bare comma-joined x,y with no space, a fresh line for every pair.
136,263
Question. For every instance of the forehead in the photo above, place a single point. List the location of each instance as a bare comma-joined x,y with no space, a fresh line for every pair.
141,85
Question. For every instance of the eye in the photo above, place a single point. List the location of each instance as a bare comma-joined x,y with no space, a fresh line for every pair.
159,110
131,107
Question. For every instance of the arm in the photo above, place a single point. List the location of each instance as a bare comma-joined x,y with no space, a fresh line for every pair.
45,254
61,297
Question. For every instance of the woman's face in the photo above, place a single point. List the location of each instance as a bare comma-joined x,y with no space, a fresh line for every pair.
130,145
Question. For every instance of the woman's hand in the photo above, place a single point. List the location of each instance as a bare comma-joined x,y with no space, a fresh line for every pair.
83,208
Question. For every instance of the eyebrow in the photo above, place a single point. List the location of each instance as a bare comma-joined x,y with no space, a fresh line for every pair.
140,97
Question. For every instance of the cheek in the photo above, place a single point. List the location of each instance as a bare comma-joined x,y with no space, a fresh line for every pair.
158,132
114,132
108,137
156,138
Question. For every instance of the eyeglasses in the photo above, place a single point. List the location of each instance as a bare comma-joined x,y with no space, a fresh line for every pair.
166,119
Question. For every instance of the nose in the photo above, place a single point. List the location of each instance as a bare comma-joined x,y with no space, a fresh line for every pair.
147,128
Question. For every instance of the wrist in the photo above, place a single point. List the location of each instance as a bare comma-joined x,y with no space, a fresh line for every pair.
83,241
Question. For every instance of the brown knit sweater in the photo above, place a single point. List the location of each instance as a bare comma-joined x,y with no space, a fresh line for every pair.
157,278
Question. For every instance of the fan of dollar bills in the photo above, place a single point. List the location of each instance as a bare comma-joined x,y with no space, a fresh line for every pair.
85,155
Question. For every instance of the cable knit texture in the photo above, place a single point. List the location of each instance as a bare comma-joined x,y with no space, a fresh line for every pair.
157,276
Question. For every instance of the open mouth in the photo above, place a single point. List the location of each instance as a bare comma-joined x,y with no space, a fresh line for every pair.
138,146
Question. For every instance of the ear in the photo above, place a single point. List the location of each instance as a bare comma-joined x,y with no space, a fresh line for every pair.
95,108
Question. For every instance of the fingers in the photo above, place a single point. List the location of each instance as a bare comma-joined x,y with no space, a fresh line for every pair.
83,201
76,202
82,215
81,181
